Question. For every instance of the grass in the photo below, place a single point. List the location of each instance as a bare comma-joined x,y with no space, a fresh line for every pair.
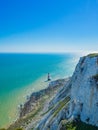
61,105
79,126
93,55
46,111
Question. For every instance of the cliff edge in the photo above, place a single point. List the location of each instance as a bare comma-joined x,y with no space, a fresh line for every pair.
84,90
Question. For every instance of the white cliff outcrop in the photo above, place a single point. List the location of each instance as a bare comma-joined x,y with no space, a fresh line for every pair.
84,90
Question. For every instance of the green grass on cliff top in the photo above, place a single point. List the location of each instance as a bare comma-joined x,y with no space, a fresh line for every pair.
93,55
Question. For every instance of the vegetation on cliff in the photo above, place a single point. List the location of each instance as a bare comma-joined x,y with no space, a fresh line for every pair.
93,55
77,125
96,77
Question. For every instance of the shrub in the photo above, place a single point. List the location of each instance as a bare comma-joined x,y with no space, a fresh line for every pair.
79,126
95,77
19,129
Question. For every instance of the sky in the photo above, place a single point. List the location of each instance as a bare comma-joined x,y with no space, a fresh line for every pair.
48,25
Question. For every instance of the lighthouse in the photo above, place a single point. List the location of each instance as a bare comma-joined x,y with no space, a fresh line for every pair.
48,78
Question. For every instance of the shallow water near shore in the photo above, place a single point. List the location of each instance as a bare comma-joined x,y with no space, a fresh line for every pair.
22,74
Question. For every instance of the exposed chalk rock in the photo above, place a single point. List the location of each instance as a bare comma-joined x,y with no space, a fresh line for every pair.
84,90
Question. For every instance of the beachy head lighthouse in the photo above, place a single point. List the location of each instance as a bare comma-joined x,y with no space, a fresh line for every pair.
48,78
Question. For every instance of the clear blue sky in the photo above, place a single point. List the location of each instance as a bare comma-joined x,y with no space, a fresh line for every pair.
48,25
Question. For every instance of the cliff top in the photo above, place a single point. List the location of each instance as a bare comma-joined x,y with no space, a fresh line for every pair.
93,55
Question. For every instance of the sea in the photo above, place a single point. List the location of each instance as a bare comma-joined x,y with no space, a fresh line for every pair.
22,74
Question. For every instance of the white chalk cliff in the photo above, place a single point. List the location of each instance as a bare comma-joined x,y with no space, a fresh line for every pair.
84,90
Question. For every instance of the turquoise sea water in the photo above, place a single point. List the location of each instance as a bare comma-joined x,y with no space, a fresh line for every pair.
21,74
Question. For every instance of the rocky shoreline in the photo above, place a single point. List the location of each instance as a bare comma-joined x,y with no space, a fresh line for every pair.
36,96
37,102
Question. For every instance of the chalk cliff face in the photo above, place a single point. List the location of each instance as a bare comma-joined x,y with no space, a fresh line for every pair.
84,90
